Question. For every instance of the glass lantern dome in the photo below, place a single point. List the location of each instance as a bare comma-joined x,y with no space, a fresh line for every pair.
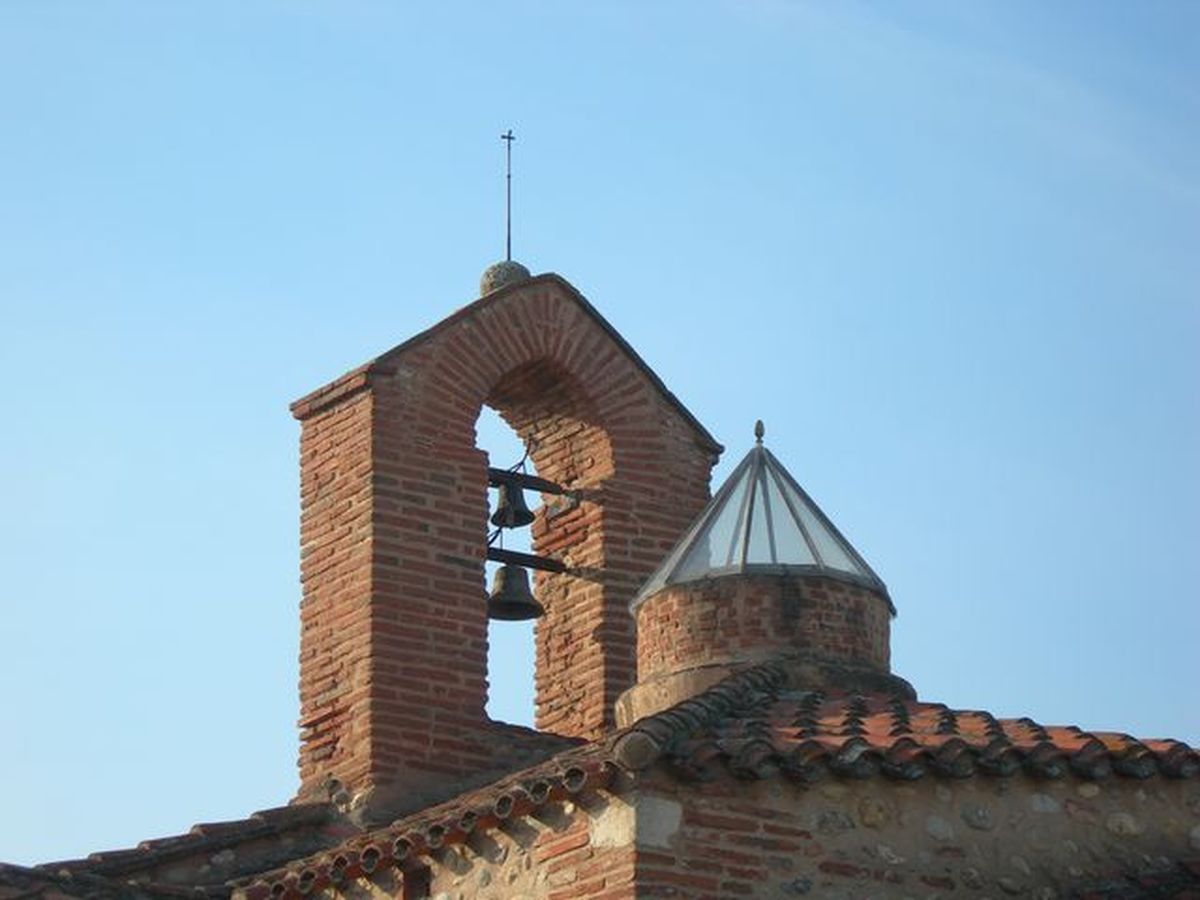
762,522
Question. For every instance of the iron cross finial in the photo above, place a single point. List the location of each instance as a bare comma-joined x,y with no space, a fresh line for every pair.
508,137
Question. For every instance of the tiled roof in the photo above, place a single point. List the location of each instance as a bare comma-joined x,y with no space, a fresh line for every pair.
23,883
754,724
751,725
206,857
445,825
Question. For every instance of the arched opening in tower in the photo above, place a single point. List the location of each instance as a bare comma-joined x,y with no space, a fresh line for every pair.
511,653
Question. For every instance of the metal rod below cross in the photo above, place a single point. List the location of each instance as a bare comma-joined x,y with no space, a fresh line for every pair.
508,138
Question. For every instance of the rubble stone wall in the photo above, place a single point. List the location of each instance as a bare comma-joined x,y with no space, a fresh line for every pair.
976,837
570,850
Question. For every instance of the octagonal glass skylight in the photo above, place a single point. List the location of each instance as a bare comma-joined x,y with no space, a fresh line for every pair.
761,521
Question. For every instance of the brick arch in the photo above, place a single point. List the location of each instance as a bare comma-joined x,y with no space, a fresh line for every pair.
577,656
406,700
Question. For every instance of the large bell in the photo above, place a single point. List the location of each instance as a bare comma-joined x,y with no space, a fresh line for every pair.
511,511
511,599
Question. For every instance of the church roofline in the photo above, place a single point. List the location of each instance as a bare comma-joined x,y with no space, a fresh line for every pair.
360,377
844,734
847,735
39,881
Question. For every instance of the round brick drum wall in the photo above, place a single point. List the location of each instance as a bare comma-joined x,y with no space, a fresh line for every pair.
750,618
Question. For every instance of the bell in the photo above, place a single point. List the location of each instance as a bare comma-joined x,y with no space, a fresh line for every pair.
511,511
511,599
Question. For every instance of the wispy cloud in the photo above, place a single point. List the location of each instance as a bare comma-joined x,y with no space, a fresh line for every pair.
969,54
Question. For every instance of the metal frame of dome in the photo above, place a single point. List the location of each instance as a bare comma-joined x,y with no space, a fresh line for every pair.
759,482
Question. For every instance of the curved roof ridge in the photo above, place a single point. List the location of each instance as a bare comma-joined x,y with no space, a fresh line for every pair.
857,734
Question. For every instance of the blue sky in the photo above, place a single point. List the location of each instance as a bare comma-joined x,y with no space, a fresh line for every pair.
948,251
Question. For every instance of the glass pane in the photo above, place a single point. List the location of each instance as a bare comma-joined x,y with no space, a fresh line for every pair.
828,547
718,544
790,547
761,546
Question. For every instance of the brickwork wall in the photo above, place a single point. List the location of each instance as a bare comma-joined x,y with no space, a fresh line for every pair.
983,836
335,576
393,668
553,415
750,618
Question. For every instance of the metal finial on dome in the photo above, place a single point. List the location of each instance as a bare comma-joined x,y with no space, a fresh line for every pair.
759,431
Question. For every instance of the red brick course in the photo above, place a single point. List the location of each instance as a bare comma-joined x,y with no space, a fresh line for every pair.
393,533
752,618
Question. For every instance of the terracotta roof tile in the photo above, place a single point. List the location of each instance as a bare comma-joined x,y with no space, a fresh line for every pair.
396,846
155,867
751,725
755,723
202,838
24,883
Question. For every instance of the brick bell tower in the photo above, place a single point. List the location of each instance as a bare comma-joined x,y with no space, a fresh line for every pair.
393,645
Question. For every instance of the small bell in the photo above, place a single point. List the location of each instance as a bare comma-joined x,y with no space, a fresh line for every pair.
511,511
512,599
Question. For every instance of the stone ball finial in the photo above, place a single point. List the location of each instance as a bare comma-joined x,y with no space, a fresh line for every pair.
500,275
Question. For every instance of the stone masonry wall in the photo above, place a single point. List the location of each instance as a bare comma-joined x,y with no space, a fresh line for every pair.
977,837
394,643
569,850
